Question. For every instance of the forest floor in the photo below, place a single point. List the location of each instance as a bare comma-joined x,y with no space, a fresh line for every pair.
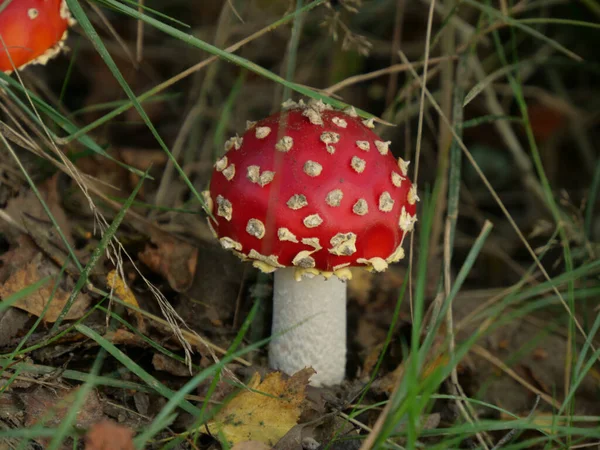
124,324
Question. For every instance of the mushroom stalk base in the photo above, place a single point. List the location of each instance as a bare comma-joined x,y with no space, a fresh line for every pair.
309,326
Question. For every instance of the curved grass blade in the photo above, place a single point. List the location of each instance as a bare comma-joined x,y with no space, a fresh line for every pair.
87,26
227,56
527,29
60,120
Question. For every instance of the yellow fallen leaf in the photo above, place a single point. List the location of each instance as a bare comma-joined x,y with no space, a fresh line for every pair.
265,412
124,293
114,281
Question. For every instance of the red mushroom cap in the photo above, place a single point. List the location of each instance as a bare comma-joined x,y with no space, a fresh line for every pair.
314,188
33,31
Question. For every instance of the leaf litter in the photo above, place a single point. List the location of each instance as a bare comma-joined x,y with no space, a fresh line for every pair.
26,265
202,287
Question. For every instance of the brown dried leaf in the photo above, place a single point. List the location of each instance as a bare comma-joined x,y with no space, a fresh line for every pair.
108,435
123,337
12,322
49,406
28,202
32,272
164,363
18,256
172,258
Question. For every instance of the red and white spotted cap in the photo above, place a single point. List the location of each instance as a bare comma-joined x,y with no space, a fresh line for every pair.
33,31
314,188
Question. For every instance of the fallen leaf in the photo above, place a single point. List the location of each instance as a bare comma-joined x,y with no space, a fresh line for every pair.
49,406
293,438
27,201
108,435
165,364
123,291
12,322
123,337
529,374
265,412
34,303
174,259
20,253
116,282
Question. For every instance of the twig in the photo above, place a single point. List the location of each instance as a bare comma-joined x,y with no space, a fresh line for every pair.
419,139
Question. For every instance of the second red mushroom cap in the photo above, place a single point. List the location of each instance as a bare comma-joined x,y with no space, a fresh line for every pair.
33,31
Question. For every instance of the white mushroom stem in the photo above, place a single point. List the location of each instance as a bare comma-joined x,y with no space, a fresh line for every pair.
309,326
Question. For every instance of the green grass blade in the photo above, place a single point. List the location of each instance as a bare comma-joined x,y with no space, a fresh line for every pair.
492,12
37,369
58,119
135,368
230,57
65,428
87,26
179,396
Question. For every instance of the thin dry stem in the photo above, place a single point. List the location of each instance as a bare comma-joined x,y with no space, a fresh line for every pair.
396,68
116,36
501,205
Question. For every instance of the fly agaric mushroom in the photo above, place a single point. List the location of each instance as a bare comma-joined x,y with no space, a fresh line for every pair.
33,31
307,193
